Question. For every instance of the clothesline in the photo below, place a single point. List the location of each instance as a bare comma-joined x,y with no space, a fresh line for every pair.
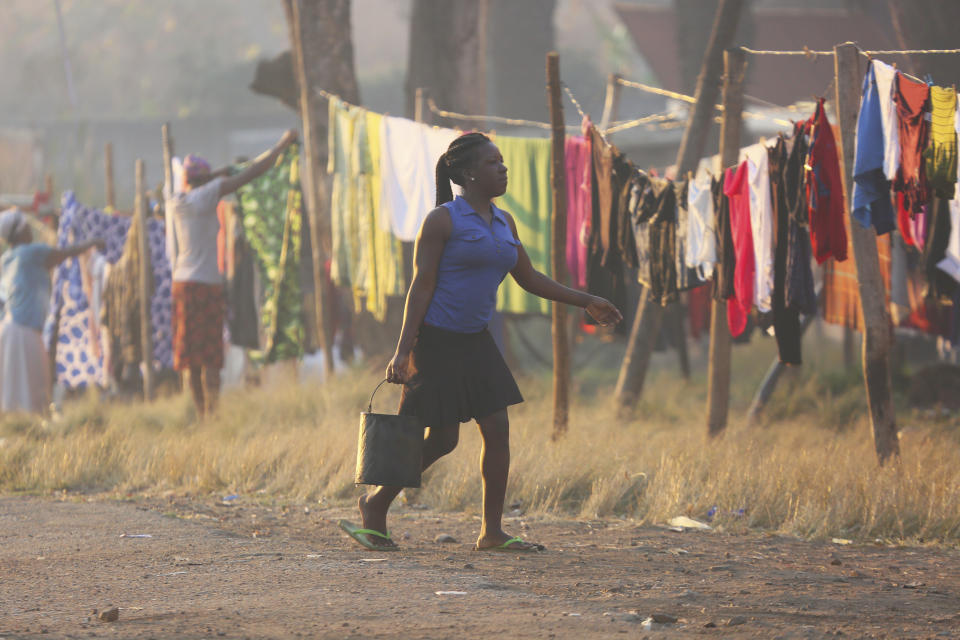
517,122
691,100
813,53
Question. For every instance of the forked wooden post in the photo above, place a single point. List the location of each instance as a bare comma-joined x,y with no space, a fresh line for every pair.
718,367
167,159
850,68
558,248
611,103
421,110
108,176
146,273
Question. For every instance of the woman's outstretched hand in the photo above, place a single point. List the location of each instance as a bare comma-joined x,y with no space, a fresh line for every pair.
397,368
603,311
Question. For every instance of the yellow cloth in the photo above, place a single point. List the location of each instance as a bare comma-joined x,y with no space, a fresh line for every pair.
941,153
364,257
529,200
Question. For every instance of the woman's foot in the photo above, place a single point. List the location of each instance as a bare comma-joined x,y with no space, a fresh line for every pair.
501,541
376,520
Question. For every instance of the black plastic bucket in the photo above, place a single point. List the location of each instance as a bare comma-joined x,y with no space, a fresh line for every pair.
389,448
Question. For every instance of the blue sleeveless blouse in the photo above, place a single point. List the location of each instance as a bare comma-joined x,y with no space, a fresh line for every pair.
475,260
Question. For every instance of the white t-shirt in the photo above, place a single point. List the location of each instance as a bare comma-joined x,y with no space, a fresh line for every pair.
194,215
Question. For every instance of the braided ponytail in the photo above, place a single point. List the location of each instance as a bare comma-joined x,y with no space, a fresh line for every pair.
450,166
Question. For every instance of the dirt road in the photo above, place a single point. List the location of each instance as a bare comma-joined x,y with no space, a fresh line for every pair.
241,570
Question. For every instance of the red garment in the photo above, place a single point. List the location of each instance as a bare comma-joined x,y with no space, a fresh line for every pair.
912,100
698,309
579,167
736,187
825,199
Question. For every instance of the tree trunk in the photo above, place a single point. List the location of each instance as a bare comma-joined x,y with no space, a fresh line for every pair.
447,55
322,54
637,358
877,329
521,34
928,24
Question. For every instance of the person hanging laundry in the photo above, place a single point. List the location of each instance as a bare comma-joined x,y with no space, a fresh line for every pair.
446,359
940,156
761,223
577,156
199,304
825,198
736,188
701,252
25,291
871,189
912,99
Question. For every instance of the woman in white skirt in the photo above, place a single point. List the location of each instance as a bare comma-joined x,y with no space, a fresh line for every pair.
25,292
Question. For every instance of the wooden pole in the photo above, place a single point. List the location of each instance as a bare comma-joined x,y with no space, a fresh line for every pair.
146,273
167,159
611,103
313,111
850,68
558,248
421,110
108,176
636,360
718,367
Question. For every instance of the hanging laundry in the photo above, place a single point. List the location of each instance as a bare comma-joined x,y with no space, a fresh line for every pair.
736,188
940,156
365,257
654,216
799,293
951,260
272,218
899,295
79,356
761,223
121,314
786,320
918,225
871,188
723,288
680,238
408,161
885,75
825,198
385,272
239,265
529,200
940,286
611,177
577,156
912,99
701,252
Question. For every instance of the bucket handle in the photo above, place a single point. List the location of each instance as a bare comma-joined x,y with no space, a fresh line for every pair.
370,404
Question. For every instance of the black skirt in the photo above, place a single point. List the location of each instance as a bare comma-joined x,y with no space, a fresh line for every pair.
456,377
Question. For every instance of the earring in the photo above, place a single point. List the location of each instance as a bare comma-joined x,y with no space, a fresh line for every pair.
472,179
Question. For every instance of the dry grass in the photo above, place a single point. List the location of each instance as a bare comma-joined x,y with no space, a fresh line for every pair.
808,470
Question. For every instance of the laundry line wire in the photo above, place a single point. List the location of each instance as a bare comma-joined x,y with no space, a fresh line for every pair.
882,52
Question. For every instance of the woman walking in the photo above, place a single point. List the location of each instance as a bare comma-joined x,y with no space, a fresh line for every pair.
25,293
447,361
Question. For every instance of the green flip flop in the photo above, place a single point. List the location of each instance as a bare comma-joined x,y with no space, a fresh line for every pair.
362,536
534,547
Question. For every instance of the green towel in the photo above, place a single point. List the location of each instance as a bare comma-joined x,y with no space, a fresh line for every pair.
528,200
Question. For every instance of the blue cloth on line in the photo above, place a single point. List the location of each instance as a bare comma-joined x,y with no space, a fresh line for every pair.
871,189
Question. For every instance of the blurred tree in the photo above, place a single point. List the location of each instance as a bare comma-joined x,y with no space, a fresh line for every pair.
929,24
447,54
521,34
